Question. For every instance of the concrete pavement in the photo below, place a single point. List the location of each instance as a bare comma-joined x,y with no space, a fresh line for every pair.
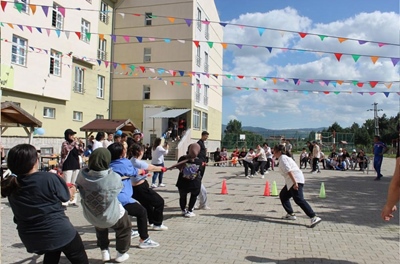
246,227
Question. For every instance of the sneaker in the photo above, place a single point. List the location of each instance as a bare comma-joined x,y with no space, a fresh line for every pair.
153,185
134,233
105,255
315,221
160,227
161,185
189,214
204,207
121,257
289,217
313,172
266,172
151,226
252,176
256,173
262,176
247,177
184,212
148,243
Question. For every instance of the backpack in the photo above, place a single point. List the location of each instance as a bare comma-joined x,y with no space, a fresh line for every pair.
190,171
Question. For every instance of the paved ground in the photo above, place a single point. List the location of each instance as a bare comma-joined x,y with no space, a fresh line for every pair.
246,227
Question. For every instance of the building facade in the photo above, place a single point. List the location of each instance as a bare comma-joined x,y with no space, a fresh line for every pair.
52,65
174,67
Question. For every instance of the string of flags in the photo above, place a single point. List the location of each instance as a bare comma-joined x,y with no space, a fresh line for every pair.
226,76
139,39
189,21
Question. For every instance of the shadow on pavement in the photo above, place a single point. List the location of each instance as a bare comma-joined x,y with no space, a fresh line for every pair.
256,259
255,218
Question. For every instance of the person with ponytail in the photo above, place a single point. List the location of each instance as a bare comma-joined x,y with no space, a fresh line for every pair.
35,198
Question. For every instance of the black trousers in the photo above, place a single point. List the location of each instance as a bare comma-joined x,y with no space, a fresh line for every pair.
315,164
122,235
261,166
150,200
183,198
248,165
138,211
74,251
298,198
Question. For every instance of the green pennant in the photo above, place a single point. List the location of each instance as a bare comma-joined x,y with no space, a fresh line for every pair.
247,88
229,76
322,37
210,44
153,16
264,79
130,74
19,7
354,83
132,67
88,35
178,83
1,24
336,92
355,57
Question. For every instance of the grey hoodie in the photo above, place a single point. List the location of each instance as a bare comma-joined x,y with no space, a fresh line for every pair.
99,192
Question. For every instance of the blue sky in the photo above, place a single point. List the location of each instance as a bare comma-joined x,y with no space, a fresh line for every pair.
360,19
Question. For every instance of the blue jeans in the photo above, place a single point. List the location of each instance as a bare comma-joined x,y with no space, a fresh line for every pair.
298,198
158,174
377,165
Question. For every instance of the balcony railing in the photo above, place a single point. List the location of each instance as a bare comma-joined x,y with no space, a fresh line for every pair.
197,97
101,54
198,61
205,67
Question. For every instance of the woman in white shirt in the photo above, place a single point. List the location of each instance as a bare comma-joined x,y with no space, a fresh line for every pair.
157,159
248,163
294,183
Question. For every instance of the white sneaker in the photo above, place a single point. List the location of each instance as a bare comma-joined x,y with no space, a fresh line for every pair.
252,176
148,243
262,176
190,214
266,172
134,233
315,221
153,185
289,217
247,177
150,226
184,212
105,255
161,185
121,257
160,228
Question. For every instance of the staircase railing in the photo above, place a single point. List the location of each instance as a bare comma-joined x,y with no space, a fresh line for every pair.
184,143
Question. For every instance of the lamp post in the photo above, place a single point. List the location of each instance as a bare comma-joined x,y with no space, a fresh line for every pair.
376,120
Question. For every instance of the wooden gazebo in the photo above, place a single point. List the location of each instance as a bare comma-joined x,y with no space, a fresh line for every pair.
108,126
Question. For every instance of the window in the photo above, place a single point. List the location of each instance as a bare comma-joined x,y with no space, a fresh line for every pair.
205,62
77,116
49,112
206,31
102,51
18,52
99,116
146,92
196,119
147,55
198,85
57,18
23,4
104,12
204,119
78,81
46,151
199,19
198,58
148,17
85,28
206,87
100,86
55,63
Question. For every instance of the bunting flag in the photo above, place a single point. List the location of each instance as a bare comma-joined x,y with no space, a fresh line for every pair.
3,5
261,31
33,8
45,10
302,34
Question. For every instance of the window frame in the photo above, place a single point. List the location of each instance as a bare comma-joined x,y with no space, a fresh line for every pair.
16,55
198,91
205,94
102,49
148,18
99,116
25,4
198,56
199,18
204,121
206,57
46,150
55,56
146,91
196,119
207,30
49,110
79,83
146,56
101,85
57,19
85,28
79,114
103,16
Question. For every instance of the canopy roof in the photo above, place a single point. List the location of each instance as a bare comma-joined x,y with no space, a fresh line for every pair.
109,125
14,116
172,113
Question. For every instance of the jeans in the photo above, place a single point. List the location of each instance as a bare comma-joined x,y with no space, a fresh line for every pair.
122,235
138,211
377,165
74,251
150,200
158,174
315,162
183,198
248,165
298,198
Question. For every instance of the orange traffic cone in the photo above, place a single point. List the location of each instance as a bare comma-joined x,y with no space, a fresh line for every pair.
224,190
267,190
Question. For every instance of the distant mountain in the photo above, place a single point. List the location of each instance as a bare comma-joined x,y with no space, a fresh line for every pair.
287,133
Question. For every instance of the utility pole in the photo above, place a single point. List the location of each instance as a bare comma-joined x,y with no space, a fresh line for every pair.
376,119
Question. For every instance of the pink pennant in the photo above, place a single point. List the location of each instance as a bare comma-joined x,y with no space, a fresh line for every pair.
48,31
62,10
372,93
381,44
127,38
152,39
106,63
29,28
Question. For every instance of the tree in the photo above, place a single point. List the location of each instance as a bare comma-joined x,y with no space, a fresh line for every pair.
335,127
234,127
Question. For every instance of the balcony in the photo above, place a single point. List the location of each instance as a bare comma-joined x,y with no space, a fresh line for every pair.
198,61
205,100
205,67
101,54
197,97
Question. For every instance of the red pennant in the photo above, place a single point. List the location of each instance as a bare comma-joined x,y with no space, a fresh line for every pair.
240,76
78,34
360,84
326,92
197,43
143,68
338,56
373,83
3,5
172,82
302,34
174,73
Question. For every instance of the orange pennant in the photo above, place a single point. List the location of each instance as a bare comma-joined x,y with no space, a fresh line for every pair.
171,19
374,59
101,36
224,45
340,82
274,80
388,85
341,40
11,25
123,66
33,8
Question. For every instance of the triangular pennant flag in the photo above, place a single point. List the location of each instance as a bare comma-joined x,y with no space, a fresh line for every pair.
45,10
115,65
327,82
354,83
78,34
310,81
240,76
269,49
322,37
374,59
114,38
171,19
99,62
362,42
355,57
338,56
210,44
274,80
21,27
395,61
151,39
295,81
62,10
381,45
29,28
223,24
188,22
340,82
372,93
261,31
341,40
205,22
39,29
360,84
373,84
122,14
18,6
228,76
224,45
265,90
10,25
305,92
172,82
142,68
33,8
386,94
88,35
48,31
275,90
362,93
167,40
101,36
181,73
67,34
239,46
58,32
321,83
181,41
264,79
3,5
106,63
132,67
123,66
398,93
139,39
326,92
336,92
126,38
197,43
388,85
333,83
160,71
302,34
1,24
